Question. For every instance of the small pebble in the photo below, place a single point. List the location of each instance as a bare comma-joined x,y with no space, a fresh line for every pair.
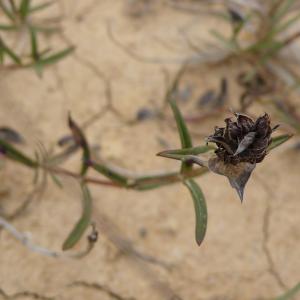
65,140
207,98
184,94
297,146
143,232
223,93
145,114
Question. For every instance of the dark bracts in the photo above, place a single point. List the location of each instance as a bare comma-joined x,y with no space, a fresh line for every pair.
242,140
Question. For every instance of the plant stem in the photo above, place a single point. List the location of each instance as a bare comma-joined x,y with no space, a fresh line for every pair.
143,182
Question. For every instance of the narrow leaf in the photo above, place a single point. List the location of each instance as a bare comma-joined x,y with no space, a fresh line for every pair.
54,58
185,138
34,45
282,10
5,27
172,90
46,29
187,158
277,141
56,180
200,209
7,11
81,141
38,69
226,42
83,222
24,8
188,151
290,294
10,53
287,24
157,180
1,55
12,153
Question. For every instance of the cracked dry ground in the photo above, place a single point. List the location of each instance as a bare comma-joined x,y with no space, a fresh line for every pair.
251,251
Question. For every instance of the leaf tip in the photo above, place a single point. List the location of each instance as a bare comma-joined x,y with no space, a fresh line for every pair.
199,242
161,153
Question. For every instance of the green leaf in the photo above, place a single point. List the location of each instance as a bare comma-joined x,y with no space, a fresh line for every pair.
38,69
24,8
54,58
81,141
200,209
151,186
46,29
287,24
34,45
5,27
282,11
154,181
56,180
109,173
9,14
1,55
83,222
10,53
16,155
290,294
36,170
226,42
174,86
187,158
188,151
277,141
185,138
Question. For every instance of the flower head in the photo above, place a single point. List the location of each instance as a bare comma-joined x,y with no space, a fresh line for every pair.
243,140
240,146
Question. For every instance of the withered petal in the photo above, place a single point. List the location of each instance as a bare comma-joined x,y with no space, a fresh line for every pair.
247,140
244,121
232,130
260,145
220,141
262,126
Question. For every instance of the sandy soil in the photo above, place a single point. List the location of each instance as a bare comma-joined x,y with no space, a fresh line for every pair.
251,251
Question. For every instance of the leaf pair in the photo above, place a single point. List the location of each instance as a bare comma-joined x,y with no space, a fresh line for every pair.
85,218
194,188
40,60
6,51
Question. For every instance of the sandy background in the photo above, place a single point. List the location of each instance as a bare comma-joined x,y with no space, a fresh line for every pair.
251,251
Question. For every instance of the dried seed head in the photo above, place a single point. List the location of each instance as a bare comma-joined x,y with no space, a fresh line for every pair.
242,140
240,145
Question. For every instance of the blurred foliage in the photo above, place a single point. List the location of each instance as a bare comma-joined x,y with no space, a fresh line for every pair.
21,25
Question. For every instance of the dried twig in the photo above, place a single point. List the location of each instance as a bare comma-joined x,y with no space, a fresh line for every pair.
26,241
